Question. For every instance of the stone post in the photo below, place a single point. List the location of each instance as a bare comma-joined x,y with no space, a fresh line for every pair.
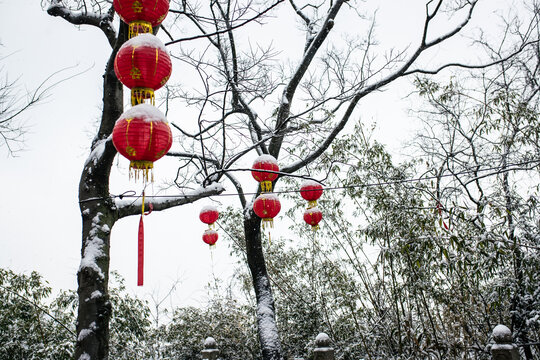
210,351
503,349
323,351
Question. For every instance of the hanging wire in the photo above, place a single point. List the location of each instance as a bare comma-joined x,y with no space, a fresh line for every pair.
508,168
496,169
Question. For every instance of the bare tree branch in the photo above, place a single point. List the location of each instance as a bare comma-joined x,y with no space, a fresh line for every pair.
102,21
220,32
128,207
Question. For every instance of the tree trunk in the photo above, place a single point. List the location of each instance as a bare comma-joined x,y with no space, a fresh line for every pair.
98,217
94,307
266,318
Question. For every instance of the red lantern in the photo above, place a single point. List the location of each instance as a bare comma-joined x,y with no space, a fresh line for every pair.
311,191
209,215
313,216
267,206
210,237
142,135
141,15
143,65
265,162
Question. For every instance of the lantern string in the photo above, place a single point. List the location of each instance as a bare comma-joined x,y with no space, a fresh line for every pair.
475,170
495,171
263,186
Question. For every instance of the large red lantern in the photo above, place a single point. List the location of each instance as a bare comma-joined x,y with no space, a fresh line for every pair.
313,216
143,65
209,215
142,135
141,15
311,191
210,237
267,206
265,162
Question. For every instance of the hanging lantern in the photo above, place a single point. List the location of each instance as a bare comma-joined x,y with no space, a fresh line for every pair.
265,162
141,15
142,135
267,206
311,191
210,237
209,215
143,65
313,216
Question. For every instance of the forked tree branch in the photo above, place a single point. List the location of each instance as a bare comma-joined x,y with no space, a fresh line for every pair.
401,72
102,21
290,90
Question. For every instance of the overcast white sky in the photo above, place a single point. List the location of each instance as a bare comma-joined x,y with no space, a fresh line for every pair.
39,214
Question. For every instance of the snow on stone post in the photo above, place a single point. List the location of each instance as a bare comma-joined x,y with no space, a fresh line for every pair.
323,351
503,349
210,351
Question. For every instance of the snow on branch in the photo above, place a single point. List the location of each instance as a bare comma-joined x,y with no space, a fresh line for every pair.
128,207
102,21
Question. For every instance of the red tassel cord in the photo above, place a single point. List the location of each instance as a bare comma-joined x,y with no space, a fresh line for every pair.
140,251
140,245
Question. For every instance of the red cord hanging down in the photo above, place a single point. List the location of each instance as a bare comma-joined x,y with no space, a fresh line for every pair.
140,245
140,252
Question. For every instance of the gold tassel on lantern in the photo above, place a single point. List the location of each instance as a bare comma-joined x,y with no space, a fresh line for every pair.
266,186
138,95
139,27
141,168
268,222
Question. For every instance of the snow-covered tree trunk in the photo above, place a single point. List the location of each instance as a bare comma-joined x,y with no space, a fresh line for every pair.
98,209
98,217
266,319
94,307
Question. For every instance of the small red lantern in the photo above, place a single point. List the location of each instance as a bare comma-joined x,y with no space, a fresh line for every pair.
313,216
142,135
141,15
143,65
265,162
209,215
311,191
210,237
267,206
